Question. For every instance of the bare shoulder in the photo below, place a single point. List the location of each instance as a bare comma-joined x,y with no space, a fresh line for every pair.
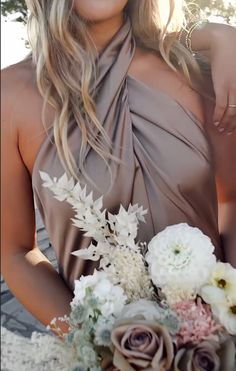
20,72
18,91
22,107
17,78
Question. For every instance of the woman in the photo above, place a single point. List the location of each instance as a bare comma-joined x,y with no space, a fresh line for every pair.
160,156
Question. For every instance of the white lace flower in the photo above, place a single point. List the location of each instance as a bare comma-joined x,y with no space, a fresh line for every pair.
182,256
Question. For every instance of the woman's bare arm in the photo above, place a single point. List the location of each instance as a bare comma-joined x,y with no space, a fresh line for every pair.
225,158
28,273
224,151
218,41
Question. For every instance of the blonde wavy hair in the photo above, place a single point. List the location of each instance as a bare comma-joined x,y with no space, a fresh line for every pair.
64,56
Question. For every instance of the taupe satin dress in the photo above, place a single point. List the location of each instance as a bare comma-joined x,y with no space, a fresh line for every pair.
167,165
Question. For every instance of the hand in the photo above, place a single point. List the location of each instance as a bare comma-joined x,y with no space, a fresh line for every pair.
223,65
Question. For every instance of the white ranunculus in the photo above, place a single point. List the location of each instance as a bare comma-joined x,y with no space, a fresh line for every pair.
180,255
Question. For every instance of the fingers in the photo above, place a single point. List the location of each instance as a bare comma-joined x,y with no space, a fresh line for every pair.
225,113
220,108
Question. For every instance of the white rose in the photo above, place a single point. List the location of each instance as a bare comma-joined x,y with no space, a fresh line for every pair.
145,309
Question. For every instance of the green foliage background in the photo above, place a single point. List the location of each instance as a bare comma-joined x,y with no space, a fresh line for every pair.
208,7
15,6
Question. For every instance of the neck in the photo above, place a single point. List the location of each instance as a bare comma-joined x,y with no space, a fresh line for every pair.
102,32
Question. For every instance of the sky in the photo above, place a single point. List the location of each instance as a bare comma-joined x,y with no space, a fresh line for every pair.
13,35
13,47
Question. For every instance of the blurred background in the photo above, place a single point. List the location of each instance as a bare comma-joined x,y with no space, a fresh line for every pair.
14,16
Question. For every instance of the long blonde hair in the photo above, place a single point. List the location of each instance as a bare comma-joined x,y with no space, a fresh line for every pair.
65,63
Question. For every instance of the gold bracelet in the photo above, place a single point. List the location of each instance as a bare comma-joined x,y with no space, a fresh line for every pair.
181,34
189,36
186,40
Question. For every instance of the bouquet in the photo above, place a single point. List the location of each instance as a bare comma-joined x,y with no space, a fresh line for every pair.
168,304
165,305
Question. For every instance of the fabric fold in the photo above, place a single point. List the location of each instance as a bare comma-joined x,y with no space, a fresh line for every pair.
166,163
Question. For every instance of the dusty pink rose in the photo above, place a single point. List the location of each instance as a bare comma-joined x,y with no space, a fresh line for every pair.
107,360
227,353
202,357
140,345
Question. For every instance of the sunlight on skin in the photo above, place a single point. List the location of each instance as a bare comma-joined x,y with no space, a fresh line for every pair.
14,34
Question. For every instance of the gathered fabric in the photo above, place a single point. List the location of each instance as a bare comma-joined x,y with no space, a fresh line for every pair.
166,163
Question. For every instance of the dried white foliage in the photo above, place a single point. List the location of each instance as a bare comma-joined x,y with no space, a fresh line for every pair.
105,228
114,236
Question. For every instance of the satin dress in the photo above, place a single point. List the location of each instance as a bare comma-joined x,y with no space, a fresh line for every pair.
166,162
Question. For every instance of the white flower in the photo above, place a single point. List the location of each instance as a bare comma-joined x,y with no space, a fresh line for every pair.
221,285
81,286
226,314
223,276
222,306
182,256
212,294
142,309
150,311
220,293
110,298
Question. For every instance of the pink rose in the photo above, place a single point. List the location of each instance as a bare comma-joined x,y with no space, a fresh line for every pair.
202,357
141,344
208,356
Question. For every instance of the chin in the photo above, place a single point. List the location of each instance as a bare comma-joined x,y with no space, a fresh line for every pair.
99,10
